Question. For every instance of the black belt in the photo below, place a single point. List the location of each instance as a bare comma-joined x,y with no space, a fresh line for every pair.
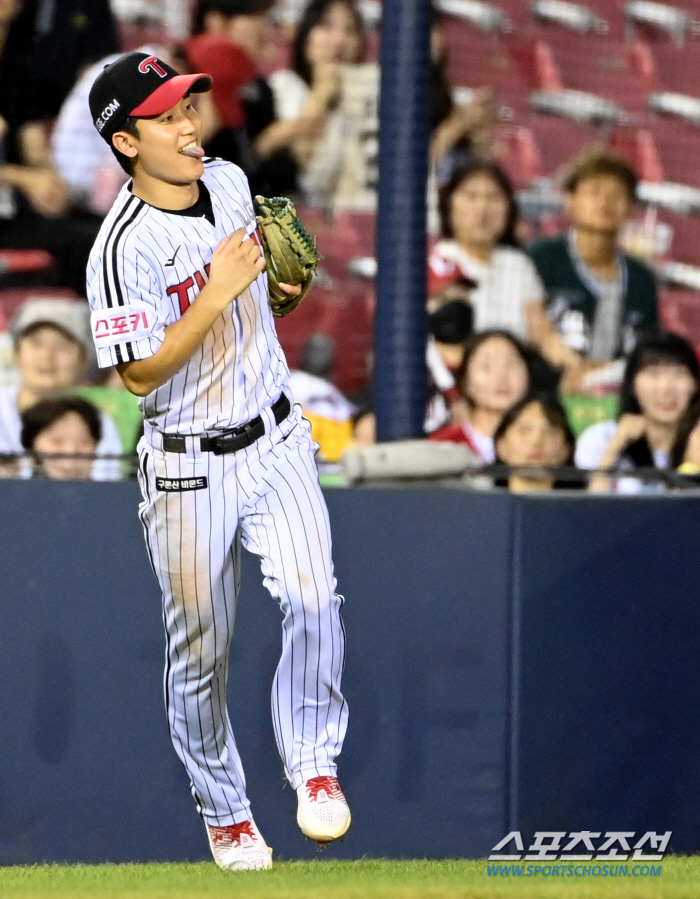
230,441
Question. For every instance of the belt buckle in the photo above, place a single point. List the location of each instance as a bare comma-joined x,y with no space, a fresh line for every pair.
247,429
174,443
219,444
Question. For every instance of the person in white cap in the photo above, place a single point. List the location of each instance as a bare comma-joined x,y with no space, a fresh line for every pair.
52,350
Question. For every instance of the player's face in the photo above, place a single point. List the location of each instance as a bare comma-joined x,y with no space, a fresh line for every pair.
70,435
664,392
479,211
496,376
169,146
48,360
599,203
335,39
533,440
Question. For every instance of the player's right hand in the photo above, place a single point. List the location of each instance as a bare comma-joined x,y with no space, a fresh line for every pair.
235,264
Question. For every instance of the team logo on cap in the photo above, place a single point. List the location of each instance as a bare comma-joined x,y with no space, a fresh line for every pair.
107,114
154,66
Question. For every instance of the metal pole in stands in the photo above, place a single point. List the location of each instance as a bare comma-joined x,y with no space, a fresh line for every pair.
404,114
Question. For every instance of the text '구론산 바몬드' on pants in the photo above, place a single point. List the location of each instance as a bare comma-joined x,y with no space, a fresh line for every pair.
197,506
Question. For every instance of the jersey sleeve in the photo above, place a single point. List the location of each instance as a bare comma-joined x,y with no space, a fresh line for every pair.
128,317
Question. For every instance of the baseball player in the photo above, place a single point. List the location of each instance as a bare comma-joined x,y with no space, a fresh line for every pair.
179,295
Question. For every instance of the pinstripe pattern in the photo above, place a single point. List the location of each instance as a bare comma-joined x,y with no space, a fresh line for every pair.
265,497
240,369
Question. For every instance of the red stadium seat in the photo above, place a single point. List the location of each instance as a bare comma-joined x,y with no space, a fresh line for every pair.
14,262
620,72
678,68
685,246
639,147
678,145
661,21
612,12
476,59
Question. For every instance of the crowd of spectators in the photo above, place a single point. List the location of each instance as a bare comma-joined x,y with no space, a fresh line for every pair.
516,329
566,315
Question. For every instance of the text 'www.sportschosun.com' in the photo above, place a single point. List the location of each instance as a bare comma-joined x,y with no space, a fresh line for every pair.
573,870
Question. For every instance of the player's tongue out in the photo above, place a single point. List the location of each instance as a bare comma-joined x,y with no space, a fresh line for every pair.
192,150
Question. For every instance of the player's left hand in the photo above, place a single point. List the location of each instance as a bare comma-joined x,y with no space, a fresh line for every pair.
292,289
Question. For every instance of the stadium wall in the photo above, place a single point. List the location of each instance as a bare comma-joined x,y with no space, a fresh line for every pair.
513,663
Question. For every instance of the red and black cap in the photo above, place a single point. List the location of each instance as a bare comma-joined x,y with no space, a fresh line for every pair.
138,85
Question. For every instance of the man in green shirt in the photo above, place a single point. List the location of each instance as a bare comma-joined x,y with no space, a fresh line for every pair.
598,299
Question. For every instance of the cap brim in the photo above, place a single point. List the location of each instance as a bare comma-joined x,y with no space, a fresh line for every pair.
171,92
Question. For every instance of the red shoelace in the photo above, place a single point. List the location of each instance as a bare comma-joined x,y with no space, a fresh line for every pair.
329,785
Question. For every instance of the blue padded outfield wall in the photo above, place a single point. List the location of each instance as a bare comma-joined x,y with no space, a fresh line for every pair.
513,663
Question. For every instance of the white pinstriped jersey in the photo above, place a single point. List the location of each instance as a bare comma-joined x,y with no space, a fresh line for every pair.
146,267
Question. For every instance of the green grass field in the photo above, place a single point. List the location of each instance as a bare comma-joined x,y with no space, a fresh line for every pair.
679,879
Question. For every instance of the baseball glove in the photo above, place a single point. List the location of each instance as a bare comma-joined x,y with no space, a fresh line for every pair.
290,252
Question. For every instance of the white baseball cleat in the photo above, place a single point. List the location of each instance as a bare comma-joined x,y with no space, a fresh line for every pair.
323,812
239,847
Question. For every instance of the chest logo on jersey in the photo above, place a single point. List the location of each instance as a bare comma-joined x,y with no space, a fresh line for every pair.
188,289
121,324
180,485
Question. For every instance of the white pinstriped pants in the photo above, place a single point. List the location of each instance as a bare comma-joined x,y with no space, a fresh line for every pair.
268,494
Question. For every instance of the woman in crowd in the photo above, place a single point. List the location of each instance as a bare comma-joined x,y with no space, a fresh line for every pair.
62,435
329,35
661,380
479,218
535,435
459,132
495,373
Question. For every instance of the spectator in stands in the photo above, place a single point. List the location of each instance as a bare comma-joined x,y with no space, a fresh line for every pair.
479,216
534,435
34,202
460,132
62,434
328,106
48,44
495,373
599,299
449,328
661,380
81,157
329,36
328,411
231,41
52,346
